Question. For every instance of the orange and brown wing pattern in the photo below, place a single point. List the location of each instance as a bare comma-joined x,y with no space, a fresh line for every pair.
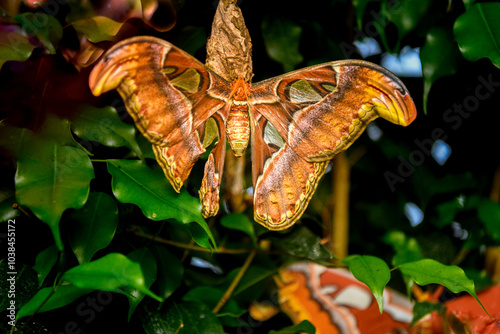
314,114
321,110
164,88
169,94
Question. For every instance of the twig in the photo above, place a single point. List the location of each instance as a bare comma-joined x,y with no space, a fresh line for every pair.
235,282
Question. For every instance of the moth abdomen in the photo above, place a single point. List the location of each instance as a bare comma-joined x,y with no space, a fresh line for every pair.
238,127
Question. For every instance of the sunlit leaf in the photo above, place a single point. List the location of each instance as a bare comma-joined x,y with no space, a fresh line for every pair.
407,249
46,28
148,265
134,182
62,296
282,37
372,271
93,226
109,273
428,271
103,125
98,28
44,262
477,32
303,327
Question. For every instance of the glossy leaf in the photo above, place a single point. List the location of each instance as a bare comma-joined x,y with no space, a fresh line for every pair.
148,265
109,273
14,44
134,182
44,262
164,321
439,57
170,271
303,327
477,32
282,37
93,226
98,28
240,222
63,295
489,214
46,28
302,243
372,271
428,271
103,125
51,179
197,318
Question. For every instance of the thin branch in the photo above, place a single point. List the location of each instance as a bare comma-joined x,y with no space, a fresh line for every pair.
235,282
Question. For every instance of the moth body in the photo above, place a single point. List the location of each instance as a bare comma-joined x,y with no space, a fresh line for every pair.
238,124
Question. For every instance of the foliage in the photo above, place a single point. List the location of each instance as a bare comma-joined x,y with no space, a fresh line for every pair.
100,233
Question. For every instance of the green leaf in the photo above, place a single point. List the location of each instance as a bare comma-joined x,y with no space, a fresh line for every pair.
18,284
439,56
428,271
109,273
372,271
148,265
165,321
420,310
253,275
197,318
360,6
170,271
211,296
282,37
134,182
93,226
302,243
98,28
407,249
477,32
52,178
7,199
303,327
240,222
406,14
103,125
489,214
63,295
46,28
44,262
14,44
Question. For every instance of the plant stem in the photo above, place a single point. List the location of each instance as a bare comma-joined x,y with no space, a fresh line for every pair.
235,282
